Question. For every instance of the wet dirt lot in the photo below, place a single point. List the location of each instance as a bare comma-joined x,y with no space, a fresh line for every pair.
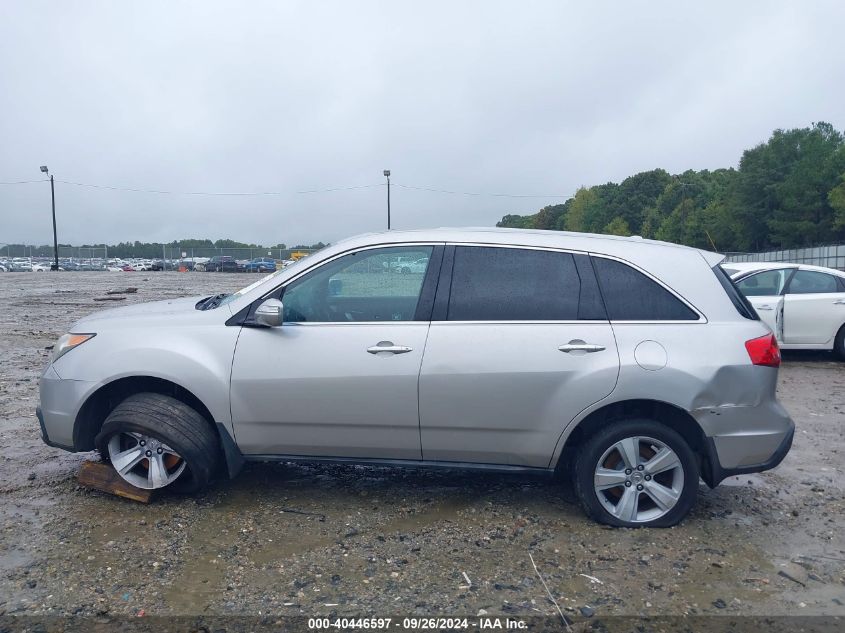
318,540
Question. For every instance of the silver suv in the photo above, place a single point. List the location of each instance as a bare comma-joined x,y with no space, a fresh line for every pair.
632,366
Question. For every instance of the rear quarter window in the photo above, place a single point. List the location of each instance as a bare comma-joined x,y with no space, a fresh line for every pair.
630,295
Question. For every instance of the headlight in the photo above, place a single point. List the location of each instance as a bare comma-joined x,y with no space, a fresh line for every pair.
68,342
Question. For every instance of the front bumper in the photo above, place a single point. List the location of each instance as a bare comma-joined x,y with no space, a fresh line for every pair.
61,400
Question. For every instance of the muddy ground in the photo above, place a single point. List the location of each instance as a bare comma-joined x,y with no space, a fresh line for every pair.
319,540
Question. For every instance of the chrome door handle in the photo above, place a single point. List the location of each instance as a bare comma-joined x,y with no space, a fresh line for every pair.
388,347
839,302
572,346
765,308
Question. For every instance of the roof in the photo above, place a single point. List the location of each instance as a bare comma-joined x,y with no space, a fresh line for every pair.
528,237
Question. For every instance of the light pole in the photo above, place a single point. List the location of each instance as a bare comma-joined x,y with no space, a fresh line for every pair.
387,175
55,265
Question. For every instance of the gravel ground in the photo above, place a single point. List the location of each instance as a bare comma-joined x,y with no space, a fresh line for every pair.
288,539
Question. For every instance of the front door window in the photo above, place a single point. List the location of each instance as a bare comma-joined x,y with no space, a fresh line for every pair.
381,284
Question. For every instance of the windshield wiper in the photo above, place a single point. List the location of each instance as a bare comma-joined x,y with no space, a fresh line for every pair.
212,302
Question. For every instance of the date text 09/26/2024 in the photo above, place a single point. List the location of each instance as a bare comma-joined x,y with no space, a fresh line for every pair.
416,624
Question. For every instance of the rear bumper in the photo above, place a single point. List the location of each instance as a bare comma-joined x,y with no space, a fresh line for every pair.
744,439
713,472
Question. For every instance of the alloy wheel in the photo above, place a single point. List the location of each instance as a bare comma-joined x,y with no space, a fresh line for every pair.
144,461
639,479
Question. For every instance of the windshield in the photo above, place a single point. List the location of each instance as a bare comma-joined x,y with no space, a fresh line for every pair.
240,293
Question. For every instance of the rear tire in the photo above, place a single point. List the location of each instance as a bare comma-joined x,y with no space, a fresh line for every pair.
619,481
162,421
839,343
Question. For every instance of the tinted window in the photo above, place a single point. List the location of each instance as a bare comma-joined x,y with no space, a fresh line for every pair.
512,284
768,283
807,282
373,285
631,296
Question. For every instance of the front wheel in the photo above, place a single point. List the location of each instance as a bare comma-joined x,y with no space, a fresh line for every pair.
154,441
636,473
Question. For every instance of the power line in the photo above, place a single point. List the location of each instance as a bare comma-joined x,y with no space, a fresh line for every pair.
212,193
303,192
380,184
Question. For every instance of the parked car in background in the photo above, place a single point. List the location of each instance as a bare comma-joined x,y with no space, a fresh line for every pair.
40,268
221,263
803,305
418,266
260,265
633,366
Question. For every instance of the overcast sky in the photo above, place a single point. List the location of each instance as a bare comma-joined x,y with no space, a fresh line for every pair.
525,98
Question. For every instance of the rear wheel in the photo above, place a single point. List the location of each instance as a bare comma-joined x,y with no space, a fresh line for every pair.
636,473
156,441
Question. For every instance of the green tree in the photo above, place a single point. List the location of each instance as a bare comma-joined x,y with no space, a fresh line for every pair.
584,200
788,191
617,226
836,199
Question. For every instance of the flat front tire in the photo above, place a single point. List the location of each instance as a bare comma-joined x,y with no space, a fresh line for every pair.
156,441
636,473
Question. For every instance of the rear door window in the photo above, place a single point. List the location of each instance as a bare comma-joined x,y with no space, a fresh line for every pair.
630,295
514,284
806,282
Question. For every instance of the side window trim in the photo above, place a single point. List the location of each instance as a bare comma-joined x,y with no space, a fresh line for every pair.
444,285
587,276
701,317
428,291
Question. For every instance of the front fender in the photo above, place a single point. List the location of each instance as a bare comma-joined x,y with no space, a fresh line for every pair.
197,358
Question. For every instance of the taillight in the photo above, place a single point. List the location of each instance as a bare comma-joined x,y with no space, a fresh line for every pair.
764,351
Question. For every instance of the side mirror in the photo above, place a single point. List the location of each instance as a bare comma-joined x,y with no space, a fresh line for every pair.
270,313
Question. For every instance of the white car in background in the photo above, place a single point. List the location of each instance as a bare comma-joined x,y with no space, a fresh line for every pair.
40,268
803,305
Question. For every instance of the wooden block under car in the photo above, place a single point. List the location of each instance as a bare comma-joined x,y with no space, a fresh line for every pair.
101,476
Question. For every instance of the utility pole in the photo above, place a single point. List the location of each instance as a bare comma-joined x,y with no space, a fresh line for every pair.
387,175
55,265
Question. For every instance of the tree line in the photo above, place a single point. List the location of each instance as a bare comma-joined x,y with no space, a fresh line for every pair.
787,192
153,250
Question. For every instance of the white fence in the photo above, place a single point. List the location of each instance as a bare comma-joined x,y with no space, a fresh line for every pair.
830,256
